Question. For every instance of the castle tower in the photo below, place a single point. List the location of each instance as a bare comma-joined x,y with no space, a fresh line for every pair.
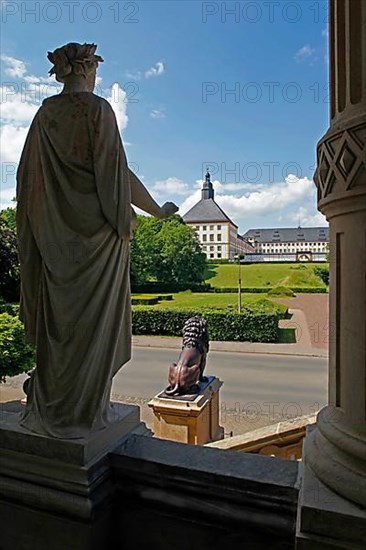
207,189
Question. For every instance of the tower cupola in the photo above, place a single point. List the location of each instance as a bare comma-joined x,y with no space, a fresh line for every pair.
207,189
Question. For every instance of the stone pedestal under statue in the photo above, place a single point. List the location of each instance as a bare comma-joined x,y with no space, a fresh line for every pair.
190,419
58,493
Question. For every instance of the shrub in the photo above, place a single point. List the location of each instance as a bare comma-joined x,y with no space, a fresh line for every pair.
144,300
16,356
323,273
255,324
8,218
281,291
5,307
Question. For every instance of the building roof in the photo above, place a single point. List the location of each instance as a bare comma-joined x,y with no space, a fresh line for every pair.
206,210
299,234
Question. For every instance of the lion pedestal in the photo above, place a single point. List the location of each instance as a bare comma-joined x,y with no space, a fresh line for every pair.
191,418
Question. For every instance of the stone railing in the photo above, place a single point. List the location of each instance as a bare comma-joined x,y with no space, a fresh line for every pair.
183,496
282,440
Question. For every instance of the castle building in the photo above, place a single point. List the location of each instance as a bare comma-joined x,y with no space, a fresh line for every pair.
290,244
217,233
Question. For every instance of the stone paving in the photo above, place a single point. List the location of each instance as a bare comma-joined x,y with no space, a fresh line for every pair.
315,308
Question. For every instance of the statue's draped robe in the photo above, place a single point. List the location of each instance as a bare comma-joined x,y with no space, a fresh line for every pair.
73,223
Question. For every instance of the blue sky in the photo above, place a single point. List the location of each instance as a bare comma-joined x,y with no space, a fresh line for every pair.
240,87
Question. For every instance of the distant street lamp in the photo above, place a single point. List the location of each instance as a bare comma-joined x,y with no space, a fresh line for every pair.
239,257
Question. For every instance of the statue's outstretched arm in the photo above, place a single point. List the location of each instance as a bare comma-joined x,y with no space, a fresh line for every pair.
141,198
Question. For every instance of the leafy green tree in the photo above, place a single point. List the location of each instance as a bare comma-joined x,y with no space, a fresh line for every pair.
166,251
181,259
9,263
144,250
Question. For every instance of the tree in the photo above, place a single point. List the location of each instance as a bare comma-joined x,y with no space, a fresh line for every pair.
9,263
166,251
181,258
144,251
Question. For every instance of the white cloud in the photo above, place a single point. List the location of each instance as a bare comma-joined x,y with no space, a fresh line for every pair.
6,197
304,53
133,75
12,139
157,70
172,186
15,68
305,218
19,101
189,202
157,113
16,107
264,205
117,97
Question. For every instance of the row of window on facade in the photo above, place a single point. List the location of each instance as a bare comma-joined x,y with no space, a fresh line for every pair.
218,247
204,227
293,246
212,251
212,237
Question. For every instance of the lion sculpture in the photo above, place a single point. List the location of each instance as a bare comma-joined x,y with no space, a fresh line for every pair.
188,371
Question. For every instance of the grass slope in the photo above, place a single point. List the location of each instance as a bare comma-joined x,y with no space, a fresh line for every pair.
263,275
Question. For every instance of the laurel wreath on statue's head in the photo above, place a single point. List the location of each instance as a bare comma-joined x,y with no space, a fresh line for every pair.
78,59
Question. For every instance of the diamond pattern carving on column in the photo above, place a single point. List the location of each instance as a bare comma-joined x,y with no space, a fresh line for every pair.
341,157
347,160
323,172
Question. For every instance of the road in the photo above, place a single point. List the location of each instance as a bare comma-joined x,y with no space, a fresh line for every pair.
264,388
258,389
253,383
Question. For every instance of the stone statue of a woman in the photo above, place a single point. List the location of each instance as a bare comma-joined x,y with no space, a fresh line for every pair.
74,223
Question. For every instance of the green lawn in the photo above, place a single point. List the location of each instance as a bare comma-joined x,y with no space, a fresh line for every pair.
198,300
263,275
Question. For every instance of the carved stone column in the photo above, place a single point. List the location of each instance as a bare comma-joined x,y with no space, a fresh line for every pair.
336,450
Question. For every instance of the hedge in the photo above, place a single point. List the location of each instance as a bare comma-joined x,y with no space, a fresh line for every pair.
309,289
281,291
156,287
144,301
150,300
264,290
222,326
249,290
323,273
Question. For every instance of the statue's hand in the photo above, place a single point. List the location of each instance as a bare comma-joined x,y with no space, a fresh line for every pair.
168,209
